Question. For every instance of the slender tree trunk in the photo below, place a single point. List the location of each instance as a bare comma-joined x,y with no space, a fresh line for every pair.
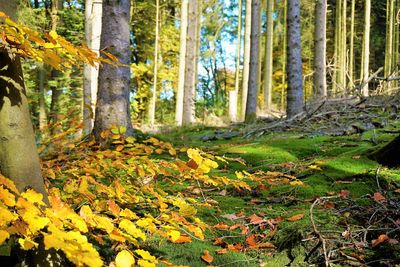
389,41
320,88
268,67
351,52
343,50
337,46
93,10
190,63
182,56
246,57
113,105
233,94
19,159
284,54
295,101
152,108
251,104
42,104
365,55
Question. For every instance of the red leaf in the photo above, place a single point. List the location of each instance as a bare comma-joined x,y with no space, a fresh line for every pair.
378,197
344,193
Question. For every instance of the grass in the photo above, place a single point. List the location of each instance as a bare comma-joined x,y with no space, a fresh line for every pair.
344,166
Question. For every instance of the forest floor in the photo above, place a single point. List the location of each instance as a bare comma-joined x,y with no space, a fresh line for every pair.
316,199
346,213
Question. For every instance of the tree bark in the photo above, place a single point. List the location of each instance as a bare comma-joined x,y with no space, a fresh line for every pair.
93,12
188,116
246,57
351,52
182,56
268,67
233,94
365,55
19,159
295,101
320,88
251,104
113,105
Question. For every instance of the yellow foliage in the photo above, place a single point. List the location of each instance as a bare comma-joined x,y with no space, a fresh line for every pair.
131,229
124,259
4,235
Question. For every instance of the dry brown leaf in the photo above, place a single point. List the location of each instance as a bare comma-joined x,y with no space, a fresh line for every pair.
378,197
183,239
251,241
295,217
254,219
207,257
382,238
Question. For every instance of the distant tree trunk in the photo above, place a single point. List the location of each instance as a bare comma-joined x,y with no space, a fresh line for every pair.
268,66
389,41
42,104
320,89
246,57
251,104
295,102
233,94
190,63
182,57
351,52
113,105
284,54
343,50
365,55
152,108
93,10
19,158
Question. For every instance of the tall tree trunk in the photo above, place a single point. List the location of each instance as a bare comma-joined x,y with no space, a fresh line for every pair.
343,50
152,108
113,105
19,159
42,103
190,63
389,41
351,52
284,54
365,55
295,101
93,11
320,89
246,57
268,66
251,104
233,94
182,57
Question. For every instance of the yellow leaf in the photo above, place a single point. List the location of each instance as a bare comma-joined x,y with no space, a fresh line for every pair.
7,197
239,175
297,182
130,140
144,263
124,259
187,210
27,244
8,183
131,229
4,235
33,197
35,222
127,213
146,255
174,235
6,216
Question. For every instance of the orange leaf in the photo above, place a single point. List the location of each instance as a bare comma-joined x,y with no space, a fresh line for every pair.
251,241
344,193
381,239
295,217
254,219
265,245
192,164
183,239
222,226
221,251
378,197
207,257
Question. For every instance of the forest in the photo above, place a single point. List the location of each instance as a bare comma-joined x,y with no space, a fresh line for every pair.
199,133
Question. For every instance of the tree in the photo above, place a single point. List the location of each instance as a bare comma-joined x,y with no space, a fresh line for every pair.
246,57
93,10
152,109
365,54
182,57
351,49
251,104
320,89
295,100
268,67
19,159
233,94
191,62
112,107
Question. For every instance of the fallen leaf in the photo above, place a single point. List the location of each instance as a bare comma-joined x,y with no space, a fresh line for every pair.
222,193
344,193
265,245
382,238
207,257
378,197
222,226
221,251
295,217
251,241
254,219
329,205
182,239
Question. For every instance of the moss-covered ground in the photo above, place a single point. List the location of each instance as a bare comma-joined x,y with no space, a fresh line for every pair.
328,166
